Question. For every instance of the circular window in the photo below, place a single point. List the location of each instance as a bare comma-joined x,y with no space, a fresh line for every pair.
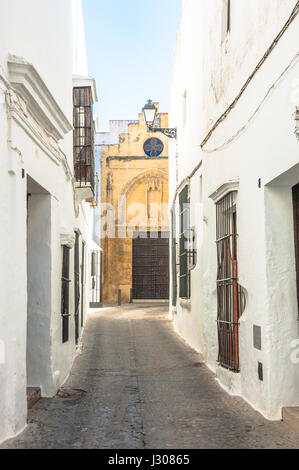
153,147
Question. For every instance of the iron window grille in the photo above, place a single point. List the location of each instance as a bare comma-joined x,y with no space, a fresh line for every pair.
174,257
184,243
65,297
229,292
82,282
96,258
192,252
77,285
295,192
83,137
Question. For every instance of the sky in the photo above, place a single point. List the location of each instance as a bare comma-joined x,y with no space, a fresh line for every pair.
130,48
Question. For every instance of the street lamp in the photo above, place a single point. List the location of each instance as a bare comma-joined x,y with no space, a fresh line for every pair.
150,113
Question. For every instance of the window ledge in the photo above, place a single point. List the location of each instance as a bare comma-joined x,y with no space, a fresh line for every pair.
224,189
185,303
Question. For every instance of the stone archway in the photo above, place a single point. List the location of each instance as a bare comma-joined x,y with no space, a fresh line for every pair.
153,181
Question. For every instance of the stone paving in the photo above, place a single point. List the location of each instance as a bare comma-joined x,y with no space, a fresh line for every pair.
139,386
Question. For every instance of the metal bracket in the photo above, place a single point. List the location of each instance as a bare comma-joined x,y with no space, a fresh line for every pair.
171,133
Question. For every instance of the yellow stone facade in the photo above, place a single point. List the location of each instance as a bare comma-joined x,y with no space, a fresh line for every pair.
134,197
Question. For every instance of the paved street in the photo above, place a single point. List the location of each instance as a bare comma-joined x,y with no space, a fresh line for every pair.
141,387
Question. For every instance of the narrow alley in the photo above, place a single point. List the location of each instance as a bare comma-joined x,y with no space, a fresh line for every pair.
137,385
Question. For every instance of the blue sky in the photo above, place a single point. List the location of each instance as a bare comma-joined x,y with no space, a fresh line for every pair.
130,47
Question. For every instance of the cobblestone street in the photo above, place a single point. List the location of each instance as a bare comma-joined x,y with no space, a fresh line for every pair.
142,387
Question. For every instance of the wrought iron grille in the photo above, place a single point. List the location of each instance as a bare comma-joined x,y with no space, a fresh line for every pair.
185,291
77,286
83,137
192,251
96,262
228,289
65,297
82,282
173,256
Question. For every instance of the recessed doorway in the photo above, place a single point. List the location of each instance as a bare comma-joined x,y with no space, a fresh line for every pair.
151,266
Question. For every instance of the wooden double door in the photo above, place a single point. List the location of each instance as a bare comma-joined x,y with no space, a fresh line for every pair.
151,266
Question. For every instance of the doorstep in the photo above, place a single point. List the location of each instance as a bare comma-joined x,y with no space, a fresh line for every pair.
290,415
33,396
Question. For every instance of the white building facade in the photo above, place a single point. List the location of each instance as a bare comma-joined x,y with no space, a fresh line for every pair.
234,175
47,199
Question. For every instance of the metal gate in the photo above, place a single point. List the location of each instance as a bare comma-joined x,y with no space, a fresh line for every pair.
151,265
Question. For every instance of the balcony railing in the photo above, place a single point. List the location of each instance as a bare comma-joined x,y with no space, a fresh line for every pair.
83,138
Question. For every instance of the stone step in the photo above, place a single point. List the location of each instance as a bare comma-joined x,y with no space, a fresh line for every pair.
290,415
33,396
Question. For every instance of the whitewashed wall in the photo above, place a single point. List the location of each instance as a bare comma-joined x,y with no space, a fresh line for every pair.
208,75
41,34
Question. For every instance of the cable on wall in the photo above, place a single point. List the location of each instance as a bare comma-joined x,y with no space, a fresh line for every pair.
259,65
243,128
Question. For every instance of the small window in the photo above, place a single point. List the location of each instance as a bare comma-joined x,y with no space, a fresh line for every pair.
185,291
174,256
65,293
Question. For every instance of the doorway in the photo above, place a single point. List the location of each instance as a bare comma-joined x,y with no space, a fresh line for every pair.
151,266
38,289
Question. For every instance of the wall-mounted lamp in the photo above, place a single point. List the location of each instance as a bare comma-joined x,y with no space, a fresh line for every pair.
150,113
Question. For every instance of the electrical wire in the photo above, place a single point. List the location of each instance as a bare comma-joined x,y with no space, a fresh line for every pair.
243,128
259,65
